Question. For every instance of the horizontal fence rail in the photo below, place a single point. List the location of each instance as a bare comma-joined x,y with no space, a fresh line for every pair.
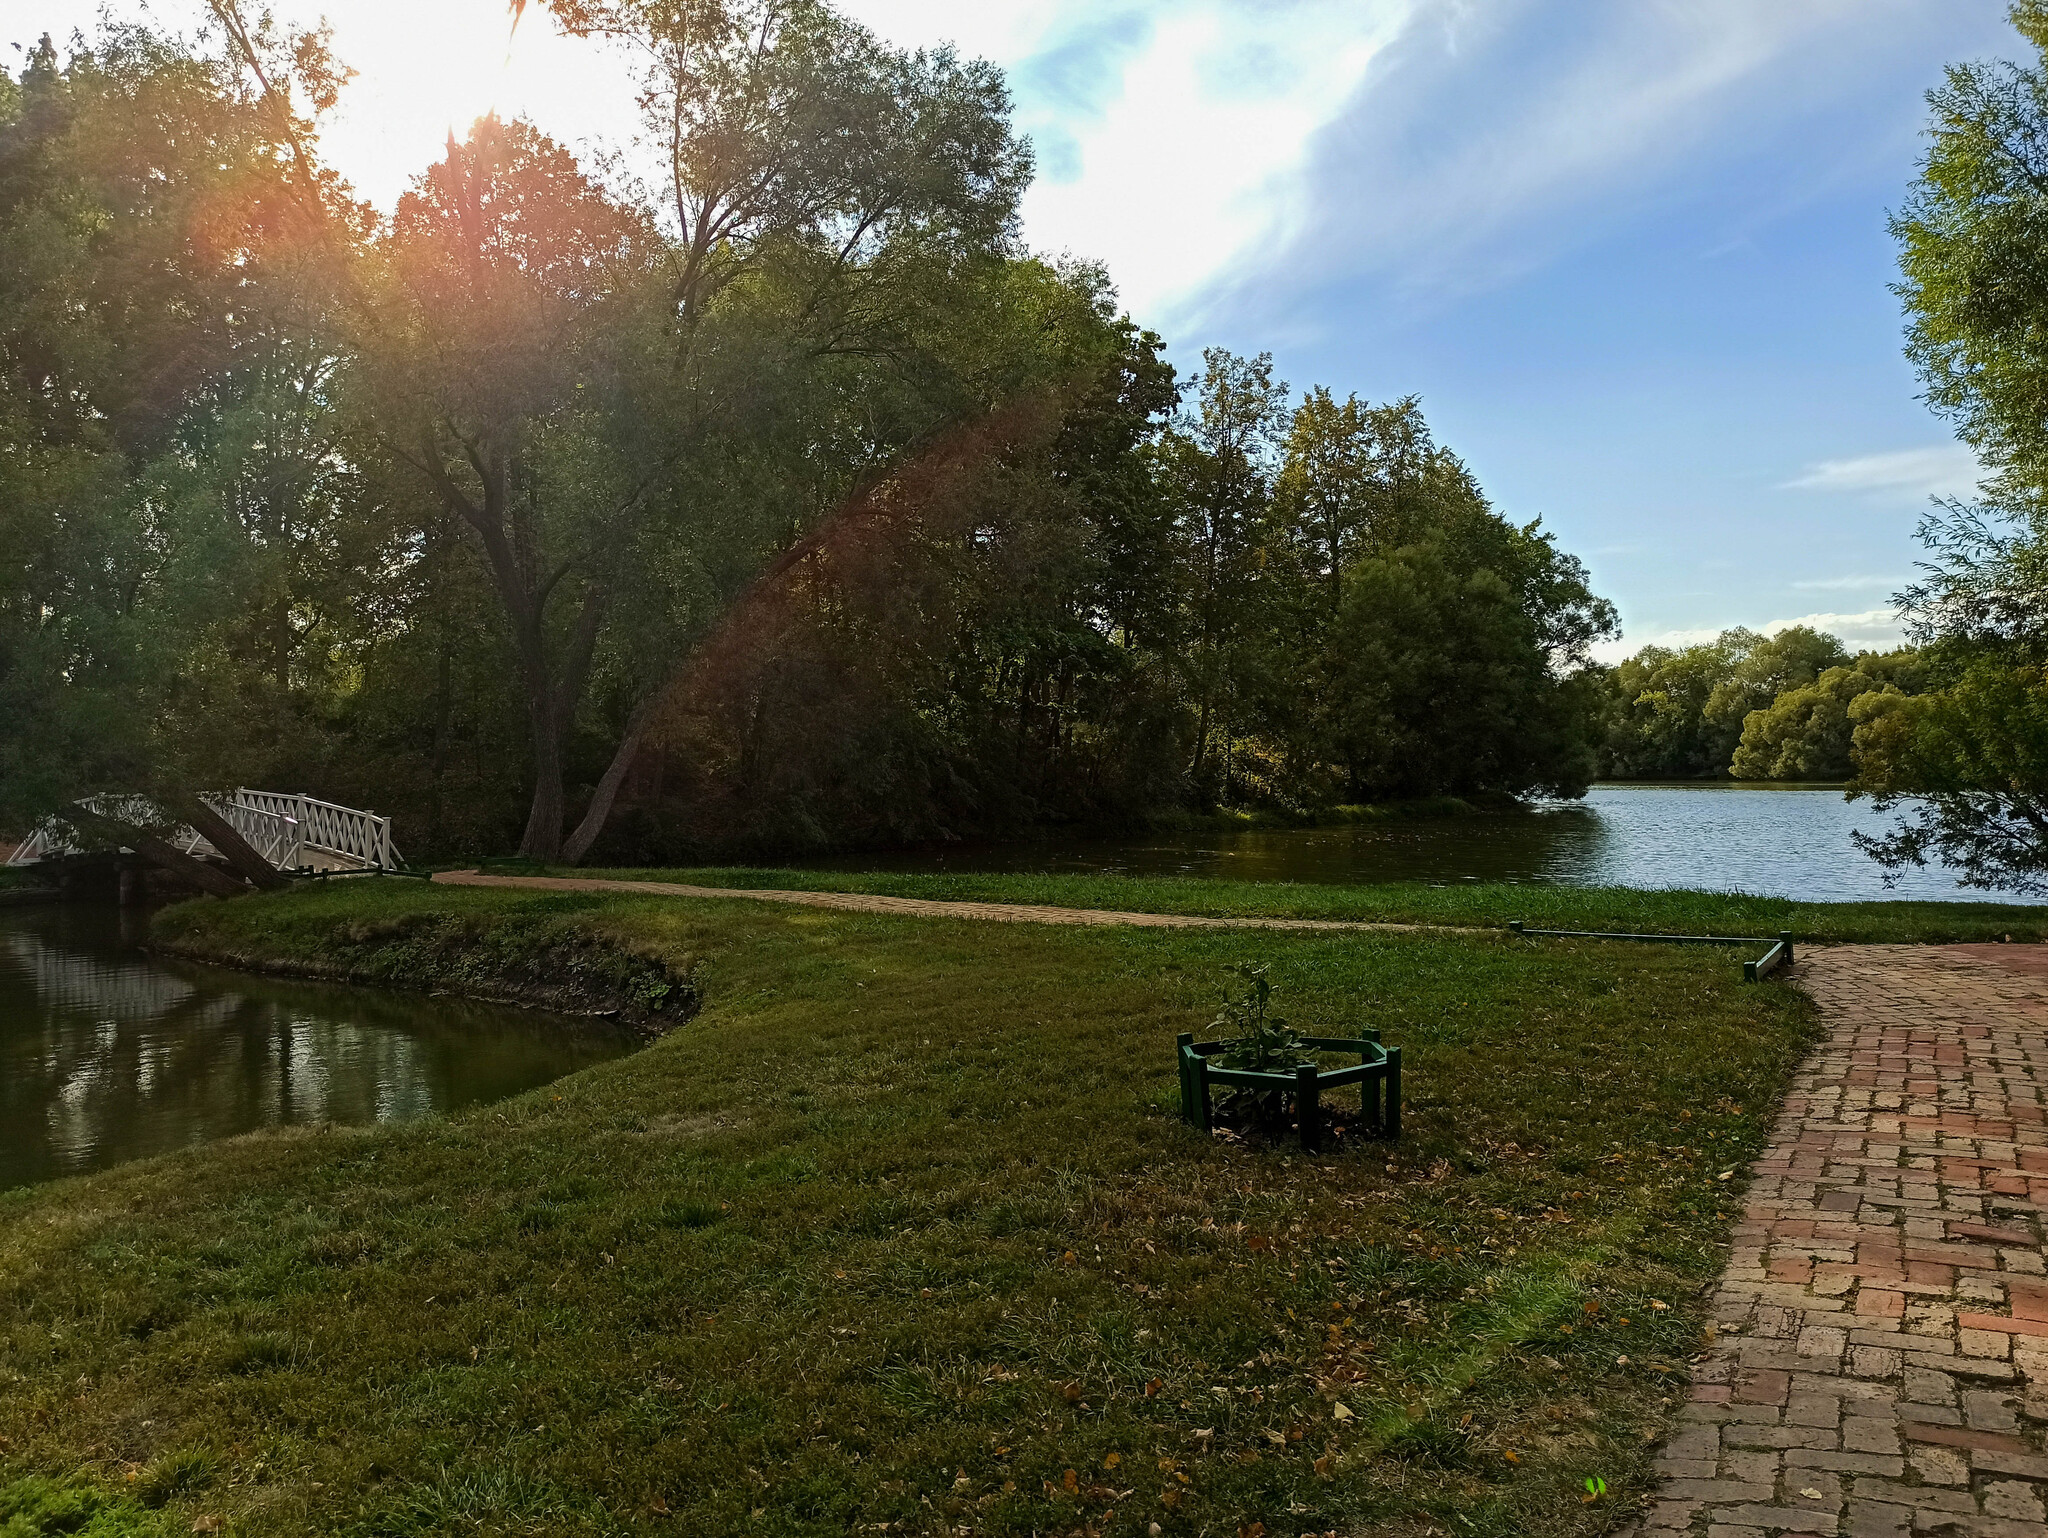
1779,955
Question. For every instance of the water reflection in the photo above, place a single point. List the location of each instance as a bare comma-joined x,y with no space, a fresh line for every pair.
108,1055
1775,841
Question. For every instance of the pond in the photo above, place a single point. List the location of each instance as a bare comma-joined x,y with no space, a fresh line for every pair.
107,1054
1776,841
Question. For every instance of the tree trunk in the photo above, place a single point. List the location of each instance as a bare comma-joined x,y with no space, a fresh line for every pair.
542,839
207,878
218,832
608,786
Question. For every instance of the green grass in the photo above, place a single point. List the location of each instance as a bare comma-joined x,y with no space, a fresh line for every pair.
1485,904
903,1229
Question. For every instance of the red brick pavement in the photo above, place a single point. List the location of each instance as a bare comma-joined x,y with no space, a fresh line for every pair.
1879,1365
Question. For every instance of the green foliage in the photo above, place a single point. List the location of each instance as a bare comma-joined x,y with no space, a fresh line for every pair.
793,508
1683,714
1972,751
1258,1041
1970,763
37,1507
1805,733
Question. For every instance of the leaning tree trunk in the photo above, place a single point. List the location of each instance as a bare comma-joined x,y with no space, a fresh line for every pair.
208,878
232,846
607,791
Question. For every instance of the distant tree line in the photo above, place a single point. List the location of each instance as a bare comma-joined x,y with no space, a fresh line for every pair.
784,502
1783,707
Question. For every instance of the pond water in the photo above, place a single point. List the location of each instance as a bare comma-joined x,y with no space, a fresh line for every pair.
107,1054
1776,841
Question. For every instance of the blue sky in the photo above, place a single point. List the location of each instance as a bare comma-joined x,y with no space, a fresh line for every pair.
1631,253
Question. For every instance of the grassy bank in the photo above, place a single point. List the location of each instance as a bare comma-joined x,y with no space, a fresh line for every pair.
541,954
902,1229
1482,904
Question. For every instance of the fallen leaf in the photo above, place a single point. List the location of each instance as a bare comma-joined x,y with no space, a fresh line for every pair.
1510,1456
1342,1412
1278,1438
1322,1466
1070,1481
1112,1460
1258,1242
1072,1391
1810,1493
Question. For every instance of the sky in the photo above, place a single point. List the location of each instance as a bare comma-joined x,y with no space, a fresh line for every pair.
1631,254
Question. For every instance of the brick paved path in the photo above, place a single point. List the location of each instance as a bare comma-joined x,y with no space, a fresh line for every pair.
915,907
1882,1328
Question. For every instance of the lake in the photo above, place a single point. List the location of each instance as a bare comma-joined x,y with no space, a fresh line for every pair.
1777,841
108,1055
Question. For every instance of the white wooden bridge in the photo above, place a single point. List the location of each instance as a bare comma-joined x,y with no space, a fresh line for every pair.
294,833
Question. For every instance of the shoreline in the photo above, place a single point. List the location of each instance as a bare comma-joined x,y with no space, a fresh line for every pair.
583,980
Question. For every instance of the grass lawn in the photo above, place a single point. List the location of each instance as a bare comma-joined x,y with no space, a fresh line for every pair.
1475,903
901,1233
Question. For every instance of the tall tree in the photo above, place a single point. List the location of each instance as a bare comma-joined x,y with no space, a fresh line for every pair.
1972,235
1219,462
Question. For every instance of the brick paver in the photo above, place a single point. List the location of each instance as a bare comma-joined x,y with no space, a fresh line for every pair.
1879,1362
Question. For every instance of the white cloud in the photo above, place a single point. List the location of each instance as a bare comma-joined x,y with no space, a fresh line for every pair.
1491,138
1868,630
1170,133
1191,160
1949,470
1847,584
1196,146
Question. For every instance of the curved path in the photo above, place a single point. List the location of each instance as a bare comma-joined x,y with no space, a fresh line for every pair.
1881,1332
916,907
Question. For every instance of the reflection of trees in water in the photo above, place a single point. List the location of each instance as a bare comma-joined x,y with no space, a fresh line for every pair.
1552,843
105,1055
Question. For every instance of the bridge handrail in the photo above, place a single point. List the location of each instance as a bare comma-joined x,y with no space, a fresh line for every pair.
281,827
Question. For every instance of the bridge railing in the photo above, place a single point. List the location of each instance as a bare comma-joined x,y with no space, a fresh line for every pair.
292,832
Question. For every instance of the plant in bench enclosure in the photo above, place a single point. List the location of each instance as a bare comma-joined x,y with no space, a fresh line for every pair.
1254,1037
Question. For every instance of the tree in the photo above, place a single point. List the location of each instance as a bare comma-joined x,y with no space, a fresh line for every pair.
818,186
1365,493
1441,688
153,259
1971,236
1218,464
1968,761
503,350
1681,714
1805,732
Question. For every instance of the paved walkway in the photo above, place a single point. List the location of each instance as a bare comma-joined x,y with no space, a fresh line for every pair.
915,907
1882,1328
